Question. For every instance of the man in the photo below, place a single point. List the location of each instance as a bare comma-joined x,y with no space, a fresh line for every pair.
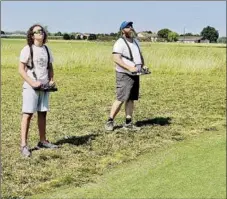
129,62
36,69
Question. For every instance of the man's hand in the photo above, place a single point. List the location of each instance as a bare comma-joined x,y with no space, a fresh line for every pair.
36,84
133,69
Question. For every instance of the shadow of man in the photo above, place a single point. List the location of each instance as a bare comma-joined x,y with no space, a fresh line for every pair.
162,121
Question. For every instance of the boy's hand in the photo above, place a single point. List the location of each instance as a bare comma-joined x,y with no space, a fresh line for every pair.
36,84
51,83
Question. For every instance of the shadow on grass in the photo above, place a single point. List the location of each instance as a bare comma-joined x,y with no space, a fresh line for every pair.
76,140
162,121
118,127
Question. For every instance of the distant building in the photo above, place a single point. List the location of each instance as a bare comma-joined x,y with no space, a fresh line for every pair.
192,39
148,36
154,37
85,36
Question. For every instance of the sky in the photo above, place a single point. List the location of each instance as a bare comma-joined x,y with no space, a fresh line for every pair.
106,16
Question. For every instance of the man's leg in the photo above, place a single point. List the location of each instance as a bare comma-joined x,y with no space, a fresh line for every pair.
109,126
129,106
115,108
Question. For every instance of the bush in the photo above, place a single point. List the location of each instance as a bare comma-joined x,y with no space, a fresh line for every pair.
66,36
222,40
55,37
106,38
72,37
144,39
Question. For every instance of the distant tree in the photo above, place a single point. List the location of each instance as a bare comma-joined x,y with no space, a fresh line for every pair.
58,34
163,33
72,37
19,32
148,31
113,34
2,32
92,37
210,33
66,36
118,34
46,29
222,40
78,37
188,34
172,36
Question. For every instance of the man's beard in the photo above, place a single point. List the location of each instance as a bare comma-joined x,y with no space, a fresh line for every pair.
129,34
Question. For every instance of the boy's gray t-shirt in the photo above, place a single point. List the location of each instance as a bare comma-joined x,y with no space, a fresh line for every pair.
40,59
120,47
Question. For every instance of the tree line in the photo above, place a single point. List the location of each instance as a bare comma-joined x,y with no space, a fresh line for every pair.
209,33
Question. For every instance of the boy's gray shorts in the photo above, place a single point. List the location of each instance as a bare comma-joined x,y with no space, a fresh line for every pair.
127,87
35,101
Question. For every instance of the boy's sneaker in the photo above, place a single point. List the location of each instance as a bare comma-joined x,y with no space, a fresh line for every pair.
47,144
131,127
25,151
109,126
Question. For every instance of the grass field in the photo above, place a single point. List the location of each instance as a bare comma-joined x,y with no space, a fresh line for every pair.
184,97
193,168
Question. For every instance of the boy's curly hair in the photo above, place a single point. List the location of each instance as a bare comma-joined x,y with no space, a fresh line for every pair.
30,34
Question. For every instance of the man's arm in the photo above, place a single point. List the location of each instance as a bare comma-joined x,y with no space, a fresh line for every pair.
118,60
142,61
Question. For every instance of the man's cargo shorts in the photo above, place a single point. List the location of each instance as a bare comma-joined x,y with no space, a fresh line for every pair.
127,87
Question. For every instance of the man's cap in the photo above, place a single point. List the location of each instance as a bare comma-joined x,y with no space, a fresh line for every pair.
125,24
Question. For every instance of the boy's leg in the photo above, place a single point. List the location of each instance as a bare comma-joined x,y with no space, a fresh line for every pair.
43,107
30,100
25,123
42,125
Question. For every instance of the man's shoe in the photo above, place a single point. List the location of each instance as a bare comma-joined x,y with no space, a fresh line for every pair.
25,151
47,144
109,126
131,127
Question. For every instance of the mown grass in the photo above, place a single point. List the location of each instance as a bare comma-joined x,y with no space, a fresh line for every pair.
193,168
184,96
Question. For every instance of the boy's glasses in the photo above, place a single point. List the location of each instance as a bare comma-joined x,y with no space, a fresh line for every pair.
38,31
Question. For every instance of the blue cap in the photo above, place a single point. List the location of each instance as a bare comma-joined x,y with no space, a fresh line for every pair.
125,24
